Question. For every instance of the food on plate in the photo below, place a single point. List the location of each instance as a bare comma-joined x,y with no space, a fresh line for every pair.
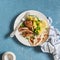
34,30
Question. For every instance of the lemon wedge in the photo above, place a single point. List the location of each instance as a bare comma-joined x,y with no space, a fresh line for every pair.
43,24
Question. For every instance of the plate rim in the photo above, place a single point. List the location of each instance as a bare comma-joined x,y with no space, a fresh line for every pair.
19,16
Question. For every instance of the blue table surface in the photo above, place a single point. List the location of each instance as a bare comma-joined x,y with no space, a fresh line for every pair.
9,10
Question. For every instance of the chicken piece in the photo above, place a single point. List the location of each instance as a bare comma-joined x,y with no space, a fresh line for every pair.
25,31
22,29
27,34
35,41
31,41
39,39
28,24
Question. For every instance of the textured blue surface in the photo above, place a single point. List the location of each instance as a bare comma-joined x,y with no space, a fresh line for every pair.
9,10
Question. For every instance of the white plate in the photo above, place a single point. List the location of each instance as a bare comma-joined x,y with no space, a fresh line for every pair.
21,39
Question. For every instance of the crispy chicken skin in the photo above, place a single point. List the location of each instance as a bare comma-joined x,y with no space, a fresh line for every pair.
28,24
22,29
25,31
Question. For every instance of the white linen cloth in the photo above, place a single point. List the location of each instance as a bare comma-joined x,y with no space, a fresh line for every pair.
52,45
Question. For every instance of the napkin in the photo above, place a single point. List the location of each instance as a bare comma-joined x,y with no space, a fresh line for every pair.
52,45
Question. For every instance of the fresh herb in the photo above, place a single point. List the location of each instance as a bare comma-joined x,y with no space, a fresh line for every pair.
27,38
47,28
36,31
38,20
22,25
33,37
38,28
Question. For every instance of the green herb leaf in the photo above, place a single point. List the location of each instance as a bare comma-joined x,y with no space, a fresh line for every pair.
22,25
33,37
27,38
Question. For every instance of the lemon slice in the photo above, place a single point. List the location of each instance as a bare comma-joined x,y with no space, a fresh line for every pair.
43,24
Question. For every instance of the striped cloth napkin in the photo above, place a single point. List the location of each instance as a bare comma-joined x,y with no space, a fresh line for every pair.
52,45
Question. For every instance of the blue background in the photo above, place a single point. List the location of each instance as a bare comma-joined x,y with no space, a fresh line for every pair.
9,10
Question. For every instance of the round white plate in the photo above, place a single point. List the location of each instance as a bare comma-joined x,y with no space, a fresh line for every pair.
21,39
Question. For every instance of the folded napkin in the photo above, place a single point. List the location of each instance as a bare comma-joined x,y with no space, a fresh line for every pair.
52,45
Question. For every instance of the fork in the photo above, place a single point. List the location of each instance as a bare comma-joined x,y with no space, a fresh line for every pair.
23,19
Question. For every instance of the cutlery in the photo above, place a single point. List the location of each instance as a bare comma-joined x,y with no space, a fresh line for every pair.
24,17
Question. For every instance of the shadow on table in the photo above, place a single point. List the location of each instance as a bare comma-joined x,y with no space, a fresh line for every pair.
50,56
18,42
11,29
1,56
38,50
